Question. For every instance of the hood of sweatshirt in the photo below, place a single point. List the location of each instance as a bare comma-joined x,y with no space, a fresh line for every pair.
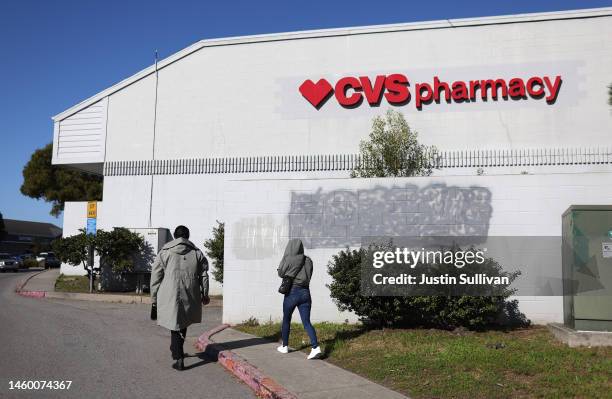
294,247
293,259
179,246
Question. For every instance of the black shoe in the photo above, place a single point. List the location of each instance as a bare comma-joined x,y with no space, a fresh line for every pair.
179,365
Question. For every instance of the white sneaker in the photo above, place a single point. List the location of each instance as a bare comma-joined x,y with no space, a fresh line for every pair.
315,353
283,349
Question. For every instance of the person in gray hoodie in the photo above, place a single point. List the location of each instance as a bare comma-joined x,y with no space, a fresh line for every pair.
179,288
298,268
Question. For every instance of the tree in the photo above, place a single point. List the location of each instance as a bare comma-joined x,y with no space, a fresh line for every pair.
2,228
393,150
41,180
214,249
610,94
74,249
118,248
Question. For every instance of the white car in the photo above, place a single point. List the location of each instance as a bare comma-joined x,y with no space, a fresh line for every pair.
7,262
48,260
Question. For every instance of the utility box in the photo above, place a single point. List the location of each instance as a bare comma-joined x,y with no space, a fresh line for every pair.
138,279
587,267
155,239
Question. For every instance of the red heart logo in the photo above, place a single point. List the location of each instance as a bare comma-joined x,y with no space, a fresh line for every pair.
316,93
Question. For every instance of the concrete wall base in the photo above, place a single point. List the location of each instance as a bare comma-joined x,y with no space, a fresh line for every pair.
575,338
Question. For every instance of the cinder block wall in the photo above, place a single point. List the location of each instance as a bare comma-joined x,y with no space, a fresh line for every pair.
331,214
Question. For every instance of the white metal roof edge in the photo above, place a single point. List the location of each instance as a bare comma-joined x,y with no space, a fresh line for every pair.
320,33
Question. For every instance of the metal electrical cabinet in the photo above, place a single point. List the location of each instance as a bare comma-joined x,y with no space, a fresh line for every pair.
137,279
155,239
587,267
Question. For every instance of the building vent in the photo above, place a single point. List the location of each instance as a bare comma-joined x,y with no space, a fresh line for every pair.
80,138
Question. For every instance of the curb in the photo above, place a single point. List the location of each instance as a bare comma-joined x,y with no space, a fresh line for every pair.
80,296
261,384
113,298
32,294
76,295
204,339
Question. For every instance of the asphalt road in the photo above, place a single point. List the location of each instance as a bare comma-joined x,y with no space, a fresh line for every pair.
107,350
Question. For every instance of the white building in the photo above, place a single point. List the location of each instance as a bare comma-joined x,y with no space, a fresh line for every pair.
226,130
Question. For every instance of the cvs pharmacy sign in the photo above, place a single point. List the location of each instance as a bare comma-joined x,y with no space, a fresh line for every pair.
396,89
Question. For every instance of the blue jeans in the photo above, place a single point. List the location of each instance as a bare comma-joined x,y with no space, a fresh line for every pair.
298,297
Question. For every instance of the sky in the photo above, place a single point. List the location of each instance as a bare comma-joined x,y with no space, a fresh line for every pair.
53,54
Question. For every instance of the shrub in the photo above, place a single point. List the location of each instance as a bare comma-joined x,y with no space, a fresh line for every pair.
214,250
28,263
345,290
117,248
392,149
440,311
73,249
250,322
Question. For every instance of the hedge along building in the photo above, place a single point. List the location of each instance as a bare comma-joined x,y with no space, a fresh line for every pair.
261,132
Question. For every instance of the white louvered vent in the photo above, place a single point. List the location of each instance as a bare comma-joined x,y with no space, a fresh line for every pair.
81,136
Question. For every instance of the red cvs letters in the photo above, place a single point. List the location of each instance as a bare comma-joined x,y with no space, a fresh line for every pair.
350,91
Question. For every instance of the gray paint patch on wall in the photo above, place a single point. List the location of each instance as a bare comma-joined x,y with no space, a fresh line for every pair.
258,237
340,218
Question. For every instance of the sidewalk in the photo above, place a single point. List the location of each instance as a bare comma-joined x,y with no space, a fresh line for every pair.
43,285
308,379
44,281
254,357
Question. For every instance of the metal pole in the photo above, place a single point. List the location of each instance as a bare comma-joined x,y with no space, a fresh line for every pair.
153,144
90,262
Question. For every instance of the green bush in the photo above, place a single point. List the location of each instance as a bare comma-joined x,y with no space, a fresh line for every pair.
28,263
118,248
214,250
250,322
73,249
447,312
345,290
393,149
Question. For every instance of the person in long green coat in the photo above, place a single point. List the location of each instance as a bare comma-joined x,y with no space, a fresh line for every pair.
179,287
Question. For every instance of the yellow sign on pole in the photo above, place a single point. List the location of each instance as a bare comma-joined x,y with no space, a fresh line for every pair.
92,209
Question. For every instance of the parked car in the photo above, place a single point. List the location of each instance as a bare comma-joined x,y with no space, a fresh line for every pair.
8,263
48,259
24,258
19,261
